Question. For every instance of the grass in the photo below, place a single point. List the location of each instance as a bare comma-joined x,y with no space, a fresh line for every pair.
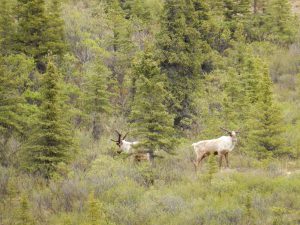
250,192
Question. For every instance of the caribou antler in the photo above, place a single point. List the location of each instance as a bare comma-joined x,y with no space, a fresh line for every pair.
225,129
118,141
119,135
125,136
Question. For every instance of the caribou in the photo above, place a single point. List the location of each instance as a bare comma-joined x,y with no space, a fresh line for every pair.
128,147
220,146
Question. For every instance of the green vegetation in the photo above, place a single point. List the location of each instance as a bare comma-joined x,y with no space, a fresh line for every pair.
153,123
50,142
169,72
38,31
182,55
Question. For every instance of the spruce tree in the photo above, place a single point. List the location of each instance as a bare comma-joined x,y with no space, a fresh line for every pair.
212,167
182,53
249,103
273,21
233,105
120,46
54,35
9,98
94,211
38,32
242,85
280,24
236,9
50,142
14,71
30,36
9,102
24,217
209,105
7,27
266,132
96,214
151,119
136,8
97,96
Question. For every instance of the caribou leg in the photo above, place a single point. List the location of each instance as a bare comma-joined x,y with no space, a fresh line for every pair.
220,155
198,161
226,158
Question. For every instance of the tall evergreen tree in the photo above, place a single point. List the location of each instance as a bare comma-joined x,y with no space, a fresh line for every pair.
9,101
30,31
274,22
14,71
236,9
7,27
181,54
51,141
250,105
121,49
55,34
97,96
38,32
280,22
242,86
150,116
266,124
136,8
9,96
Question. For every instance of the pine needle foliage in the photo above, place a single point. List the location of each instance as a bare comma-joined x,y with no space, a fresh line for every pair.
14,70
9,99
31,27
97,97
24,216
97,94
273,21
39,32
212,167
182,53
55,34
7,27
95,212
151,119
250,104
51,140
267,124
120,45
279,23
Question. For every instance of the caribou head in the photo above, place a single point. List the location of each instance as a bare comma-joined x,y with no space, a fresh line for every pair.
232,134
121,141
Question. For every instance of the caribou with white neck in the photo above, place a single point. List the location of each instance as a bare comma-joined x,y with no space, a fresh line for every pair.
220,146
128,147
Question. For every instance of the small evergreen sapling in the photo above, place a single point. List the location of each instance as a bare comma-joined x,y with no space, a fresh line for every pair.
23,214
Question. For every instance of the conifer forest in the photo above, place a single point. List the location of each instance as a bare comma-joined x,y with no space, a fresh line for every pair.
149,112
